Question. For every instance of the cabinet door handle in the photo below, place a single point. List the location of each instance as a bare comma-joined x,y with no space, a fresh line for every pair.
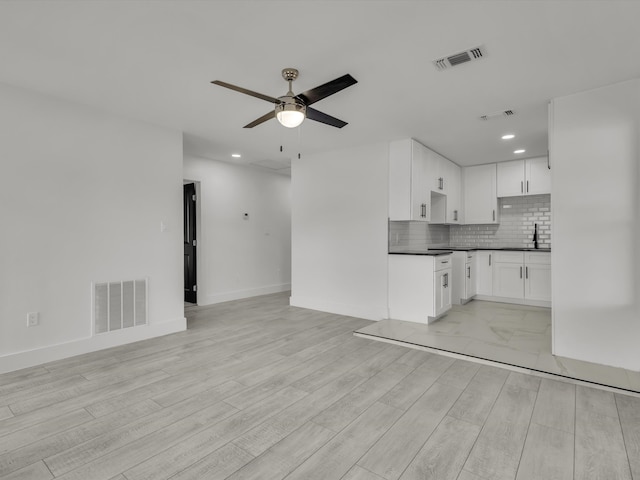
468,272
446,280
440,183
526,272
527,186
455,215
489,259
520,272
494,215
521,187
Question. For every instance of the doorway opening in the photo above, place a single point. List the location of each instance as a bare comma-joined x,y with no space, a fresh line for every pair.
190,244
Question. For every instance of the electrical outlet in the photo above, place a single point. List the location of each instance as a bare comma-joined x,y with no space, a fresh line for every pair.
33,319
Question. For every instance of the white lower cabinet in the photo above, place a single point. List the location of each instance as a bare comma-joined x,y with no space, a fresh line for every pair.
484,273
515,277
464,277
508,275
442,292
470,279
537,285
419,287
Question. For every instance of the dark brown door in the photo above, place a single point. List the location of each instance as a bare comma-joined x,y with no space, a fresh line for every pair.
190,287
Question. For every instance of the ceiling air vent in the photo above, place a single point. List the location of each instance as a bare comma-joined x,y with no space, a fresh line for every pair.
459,58
502,113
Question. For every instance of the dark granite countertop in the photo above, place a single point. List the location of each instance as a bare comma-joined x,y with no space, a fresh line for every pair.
448,250
430,252
513,249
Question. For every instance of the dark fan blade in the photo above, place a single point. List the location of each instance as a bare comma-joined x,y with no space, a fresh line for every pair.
247,92
329,88
313,114
262,119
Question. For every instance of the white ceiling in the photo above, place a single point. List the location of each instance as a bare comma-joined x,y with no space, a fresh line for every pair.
153,60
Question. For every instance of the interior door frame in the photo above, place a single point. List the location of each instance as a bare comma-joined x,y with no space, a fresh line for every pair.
199,251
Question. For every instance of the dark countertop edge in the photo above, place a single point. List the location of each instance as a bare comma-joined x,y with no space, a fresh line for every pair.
449,250
512,249
431,253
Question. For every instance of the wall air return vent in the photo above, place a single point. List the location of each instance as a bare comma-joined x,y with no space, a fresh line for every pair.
502,113
118,305
459,58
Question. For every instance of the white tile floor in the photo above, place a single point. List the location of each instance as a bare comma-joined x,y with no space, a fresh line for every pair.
510,334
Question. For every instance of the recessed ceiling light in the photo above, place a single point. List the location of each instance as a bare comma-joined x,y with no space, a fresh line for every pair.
236,155
522,150
508,136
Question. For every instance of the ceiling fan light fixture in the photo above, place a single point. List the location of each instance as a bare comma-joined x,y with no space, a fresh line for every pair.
291,109
290,114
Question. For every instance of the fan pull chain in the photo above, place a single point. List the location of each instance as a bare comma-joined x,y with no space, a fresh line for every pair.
281,138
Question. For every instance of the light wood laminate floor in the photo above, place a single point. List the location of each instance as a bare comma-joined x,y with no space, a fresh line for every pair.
516,335
256,389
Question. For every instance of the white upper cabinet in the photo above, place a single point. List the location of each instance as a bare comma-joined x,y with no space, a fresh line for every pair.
409,195
443,178
453,183
537,175
435,167
440,172
480,198
421,197
524,177
510,178
423,185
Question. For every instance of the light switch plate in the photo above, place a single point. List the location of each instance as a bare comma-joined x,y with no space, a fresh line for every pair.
33,319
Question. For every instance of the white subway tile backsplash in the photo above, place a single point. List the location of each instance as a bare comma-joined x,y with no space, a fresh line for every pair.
417,234
516,225
517,218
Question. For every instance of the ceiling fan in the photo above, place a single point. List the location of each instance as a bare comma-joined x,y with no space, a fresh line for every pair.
292,109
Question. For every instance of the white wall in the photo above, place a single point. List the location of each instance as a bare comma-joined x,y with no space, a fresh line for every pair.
82,195
238,257
596,225
339,251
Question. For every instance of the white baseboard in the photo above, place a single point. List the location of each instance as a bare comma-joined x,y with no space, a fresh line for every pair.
514,301
239,294
360,311
31,358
